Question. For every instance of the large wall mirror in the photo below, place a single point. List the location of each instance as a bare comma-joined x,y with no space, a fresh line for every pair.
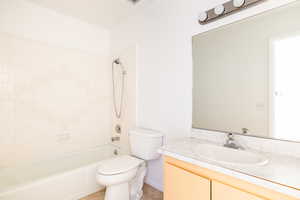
246,76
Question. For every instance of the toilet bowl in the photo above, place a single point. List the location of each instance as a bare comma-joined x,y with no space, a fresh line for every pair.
124,175
115,174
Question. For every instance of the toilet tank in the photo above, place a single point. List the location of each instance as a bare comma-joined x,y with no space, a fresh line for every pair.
144,143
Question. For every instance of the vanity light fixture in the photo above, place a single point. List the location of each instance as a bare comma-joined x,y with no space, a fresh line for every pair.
238,3
203,16
219,10
226,9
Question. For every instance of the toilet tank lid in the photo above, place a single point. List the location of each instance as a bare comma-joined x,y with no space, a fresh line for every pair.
146,132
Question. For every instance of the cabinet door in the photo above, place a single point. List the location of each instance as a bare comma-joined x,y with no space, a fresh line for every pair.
180,184
224,192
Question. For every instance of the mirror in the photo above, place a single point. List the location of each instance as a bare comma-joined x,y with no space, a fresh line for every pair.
246,76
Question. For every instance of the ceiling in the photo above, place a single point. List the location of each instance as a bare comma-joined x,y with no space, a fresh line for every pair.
105,13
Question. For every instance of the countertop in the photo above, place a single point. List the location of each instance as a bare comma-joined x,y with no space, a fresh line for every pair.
281,173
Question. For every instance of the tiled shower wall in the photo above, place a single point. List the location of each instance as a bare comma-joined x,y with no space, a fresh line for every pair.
55,84
128,118
52,100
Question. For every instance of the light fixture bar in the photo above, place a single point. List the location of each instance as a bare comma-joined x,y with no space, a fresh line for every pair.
230,8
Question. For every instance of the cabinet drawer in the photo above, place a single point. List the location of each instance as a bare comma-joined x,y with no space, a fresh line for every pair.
222,192
180,184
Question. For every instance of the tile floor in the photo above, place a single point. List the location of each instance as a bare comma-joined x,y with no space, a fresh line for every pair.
149,194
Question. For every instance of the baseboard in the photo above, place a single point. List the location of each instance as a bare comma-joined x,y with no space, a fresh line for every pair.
156,184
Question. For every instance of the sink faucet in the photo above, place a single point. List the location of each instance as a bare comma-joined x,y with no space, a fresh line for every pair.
231,143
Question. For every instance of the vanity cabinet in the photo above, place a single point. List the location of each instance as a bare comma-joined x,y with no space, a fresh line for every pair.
185,181
222,192
190,186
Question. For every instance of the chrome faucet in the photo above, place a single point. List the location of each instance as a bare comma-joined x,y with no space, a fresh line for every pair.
231,143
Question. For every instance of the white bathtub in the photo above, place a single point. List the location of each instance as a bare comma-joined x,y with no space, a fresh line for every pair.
67,178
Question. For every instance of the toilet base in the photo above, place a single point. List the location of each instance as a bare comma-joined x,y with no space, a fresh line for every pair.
136,185
117,192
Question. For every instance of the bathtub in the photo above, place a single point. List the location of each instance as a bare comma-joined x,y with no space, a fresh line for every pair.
69,177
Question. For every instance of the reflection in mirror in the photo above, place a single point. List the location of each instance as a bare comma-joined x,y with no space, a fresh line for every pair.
246,76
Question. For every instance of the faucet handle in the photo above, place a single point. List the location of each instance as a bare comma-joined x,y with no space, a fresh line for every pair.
230,136
245,131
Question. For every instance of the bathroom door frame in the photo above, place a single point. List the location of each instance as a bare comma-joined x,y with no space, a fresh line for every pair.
271,80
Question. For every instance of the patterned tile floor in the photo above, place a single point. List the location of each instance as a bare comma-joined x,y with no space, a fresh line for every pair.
149,194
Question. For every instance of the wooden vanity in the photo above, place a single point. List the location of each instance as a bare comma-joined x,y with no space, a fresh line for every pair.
185,181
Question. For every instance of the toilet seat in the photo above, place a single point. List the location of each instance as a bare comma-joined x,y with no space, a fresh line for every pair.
118,165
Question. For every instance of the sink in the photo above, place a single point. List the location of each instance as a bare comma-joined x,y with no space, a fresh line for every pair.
225,155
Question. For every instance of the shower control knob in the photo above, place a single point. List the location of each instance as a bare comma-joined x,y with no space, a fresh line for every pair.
118,129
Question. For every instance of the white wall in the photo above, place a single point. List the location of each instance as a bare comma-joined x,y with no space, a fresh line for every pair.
31,21
162,30
55,84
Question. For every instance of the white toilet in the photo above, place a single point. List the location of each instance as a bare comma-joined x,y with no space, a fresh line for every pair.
123,176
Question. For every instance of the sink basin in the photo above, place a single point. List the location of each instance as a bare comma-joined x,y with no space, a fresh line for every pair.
226,155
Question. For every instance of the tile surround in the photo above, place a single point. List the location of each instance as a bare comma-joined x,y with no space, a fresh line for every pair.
127,121
53,100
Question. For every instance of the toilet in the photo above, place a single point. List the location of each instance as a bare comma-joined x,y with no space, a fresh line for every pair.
124,175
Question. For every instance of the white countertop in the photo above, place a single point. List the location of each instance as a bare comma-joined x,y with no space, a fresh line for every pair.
281,173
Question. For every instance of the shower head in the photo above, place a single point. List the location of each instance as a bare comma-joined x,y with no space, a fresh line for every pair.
117,61
134,1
